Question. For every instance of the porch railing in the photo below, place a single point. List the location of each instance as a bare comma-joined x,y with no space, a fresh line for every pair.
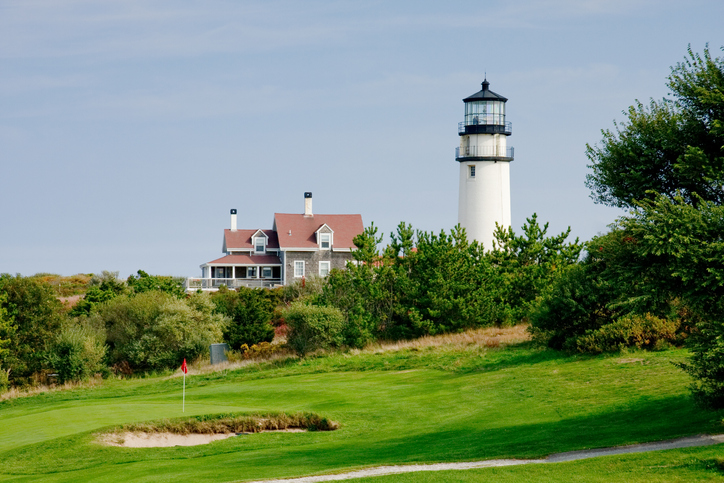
212,284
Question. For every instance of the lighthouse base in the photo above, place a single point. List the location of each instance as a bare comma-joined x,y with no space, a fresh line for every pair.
484,199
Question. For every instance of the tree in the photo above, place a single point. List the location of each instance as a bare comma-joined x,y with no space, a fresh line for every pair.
576,303
363,292
7,328
366,245
451,284
672,147
36,312
528,263
680,248
250,311
7,331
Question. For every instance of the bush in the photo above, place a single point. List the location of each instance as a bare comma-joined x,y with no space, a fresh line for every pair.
259,351
250,311
77,353
143,282
301,289
640,331
312,327
155,330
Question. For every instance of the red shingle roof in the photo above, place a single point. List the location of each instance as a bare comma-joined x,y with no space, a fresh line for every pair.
303,229
246,260
241,239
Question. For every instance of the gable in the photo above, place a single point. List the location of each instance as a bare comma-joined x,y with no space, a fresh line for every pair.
325,229
241,240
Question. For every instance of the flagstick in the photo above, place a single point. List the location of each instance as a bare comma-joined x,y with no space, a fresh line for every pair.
184,369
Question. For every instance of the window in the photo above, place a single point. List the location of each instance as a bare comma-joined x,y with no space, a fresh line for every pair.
259,244
472,170
266,272
324,269
251,272
325,240
298,268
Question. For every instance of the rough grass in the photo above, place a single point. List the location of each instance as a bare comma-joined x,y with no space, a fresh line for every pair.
17,392
231,423
485,338
488,337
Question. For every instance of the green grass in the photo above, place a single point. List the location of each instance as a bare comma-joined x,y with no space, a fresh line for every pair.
411,406
675,466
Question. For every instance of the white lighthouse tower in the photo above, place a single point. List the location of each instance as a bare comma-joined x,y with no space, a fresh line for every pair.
484,158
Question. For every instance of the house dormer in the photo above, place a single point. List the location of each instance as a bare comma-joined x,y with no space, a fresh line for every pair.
259,242
325,237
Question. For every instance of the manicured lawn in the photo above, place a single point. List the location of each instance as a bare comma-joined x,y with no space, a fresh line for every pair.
430,405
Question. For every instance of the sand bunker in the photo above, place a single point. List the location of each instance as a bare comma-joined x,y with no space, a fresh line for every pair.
167,440
161,440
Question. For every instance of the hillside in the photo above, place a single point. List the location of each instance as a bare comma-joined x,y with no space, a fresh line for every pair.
476,396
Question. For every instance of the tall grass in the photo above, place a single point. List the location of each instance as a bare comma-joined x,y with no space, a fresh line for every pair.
488,337
28,391
232,423
485,338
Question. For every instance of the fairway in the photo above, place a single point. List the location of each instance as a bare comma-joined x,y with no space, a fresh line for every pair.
437,404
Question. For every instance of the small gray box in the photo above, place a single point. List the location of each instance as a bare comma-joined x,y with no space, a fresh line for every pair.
218,353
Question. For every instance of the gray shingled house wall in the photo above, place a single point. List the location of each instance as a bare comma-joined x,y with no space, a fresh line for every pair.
311,261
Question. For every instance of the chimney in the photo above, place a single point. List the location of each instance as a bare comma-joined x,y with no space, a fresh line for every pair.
308,203
233,219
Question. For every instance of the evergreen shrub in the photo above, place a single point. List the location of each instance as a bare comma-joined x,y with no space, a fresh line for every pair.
250,311
577,303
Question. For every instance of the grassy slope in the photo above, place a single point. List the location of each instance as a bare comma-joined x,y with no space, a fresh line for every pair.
429,405
675,466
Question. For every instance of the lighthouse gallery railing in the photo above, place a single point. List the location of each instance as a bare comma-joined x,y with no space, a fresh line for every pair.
507,126
484,152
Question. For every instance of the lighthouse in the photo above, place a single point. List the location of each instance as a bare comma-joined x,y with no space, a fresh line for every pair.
484,157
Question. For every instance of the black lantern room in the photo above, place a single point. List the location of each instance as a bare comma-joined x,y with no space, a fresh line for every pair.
485,113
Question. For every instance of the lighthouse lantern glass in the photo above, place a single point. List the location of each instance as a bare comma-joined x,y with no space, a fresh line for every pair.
484,112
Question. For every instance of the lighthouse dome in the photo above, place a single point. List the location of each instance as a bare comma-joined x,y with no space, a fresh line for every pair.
485,113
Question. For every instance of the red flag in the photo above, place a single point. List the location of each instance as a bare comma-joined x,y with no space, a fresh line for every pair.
184,368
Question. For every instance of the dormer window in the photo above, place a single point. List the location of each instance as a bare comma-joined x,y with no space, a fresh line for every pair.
325,241
259,244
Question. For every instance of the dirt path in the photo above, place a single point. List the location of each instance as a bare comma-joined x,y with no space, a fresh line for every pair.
701,440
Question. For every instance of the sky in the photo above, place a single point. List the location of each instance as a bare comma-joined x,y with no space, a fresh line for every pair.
129,129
